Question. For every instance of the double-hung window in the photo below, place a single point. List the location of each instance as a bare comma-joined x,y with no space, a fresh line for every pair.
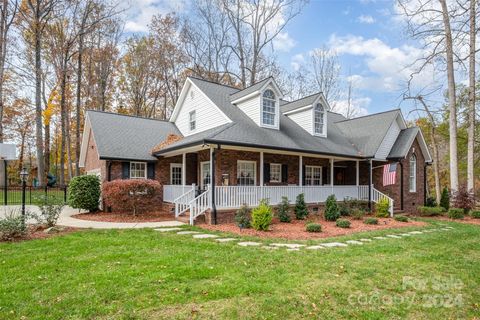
413,173
319,119
246,173
313,175
176,173
138,170
192,119
269,109
275,172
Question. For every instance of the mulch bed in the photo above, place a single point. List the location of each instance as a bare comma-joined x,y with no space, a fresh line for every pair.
126,217
38,232
466,219
296,229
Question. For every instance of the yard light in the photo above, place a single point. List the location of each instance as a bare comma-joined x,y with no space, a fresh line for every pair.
23,176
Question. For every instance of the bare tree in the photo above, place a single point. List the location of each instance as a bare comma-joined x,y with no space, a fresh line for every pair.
471,109
326,73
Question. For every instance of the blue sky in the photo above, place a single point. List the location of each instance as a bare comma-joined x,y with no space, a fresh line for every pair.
366,34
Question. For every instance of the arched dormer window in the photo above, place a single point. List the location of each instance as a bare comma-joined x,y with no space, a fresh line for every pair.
413,173
319,119
269,108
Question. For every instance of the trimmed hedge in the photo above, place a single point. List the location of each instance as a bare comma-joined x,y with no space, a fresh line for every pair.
313,227
370,221
430,211
456,213
132,195
84,192
342,223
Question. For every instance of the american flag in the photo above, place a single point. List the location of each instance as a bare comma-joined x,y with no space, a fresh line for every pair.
389,174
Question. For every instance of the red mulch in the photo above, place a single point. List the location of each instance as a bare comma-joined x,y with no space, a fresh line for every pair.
296,229
37,232
466,219
126,217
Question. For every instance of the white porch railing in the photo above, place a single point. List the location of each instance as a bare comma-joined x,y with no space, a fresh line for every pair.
199,205
377,196
182,203
172,192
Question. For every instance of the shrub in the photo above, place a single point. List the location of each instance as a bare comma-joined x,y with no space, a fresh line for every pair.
12,226
301,211
445,199
242,217
356,204
475,214
382,208
331,209
344,209
342,223
463,199
50,210
313,227
430,211
358,214
401,218
134,195
262,216
370,221
84,192
431,202
284,210
456,213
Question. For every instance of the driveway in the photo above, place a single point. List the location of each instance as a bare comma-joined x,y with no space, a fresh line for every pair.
67,220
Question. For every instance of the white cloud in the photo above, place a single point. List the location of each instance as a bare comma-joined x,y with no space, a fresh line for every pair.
140,12
366,19
283,42
297,61
358,107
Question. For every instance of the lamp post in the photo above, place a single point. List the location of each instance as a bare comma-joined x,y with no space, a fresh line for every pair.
23,176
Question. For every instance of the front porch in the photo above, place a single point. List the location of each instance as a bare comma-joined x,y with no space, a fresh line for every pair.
226,178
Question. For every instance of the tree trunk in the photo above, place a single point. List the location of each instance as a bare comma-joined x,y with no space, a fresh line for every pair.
452,104
471,109
38,105
63,115
78,104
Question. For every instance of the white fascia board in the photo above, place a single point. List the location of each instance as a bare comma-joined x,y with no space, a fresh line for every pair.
84,146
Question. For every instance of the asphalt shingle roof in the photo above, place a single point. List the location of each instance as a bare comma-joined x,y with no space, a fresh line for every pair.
299,103
404,141
245,92
120,136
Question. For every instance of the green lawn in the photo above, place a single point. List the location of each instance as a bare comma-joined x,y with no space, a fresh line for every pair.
32,196
139,274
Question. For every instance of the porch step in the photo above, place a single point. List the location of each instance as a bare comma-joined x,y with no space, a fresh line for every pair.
185,217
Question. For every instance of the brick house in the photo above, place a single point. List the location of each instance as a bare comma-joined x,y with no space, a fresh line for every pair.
224,147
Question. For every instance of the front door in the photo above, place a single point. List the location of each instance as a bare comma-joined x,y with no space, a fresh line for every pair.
204,174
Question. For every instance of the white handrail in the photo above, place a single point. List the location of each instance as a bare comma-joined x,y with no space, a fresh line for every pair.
377,196
199,205
172,192
182,203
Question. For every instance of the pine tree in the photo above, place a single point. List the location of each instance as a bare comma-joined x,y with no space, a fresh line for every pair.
445,199
301,211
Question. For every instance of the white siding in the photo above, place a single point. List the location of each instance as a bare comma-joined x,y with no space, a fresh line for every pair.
388,141
207,114
304,119
251,108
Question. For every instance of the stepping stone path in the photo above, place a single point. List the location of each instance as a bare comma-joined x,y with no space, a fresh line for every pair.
288,245
269,248
315,247
249,243
334,244
354,242
167,229
225,239
380,238
415,232
204,236
366,240
188,232
393,236
293,249
405,234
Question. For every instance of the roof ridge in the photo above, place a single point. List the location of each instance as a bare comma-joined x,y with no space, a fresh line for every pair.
370,115
126,115
213,82
253,84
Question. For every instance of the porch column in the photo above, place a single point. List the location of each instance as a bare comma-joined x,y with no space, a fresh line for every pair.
300,170
261,169
357,178
332,163
184,171
370,184
212,184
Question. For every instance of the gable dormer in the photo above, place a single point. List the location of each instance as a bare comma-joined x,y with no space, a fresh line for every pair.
261,103
310,113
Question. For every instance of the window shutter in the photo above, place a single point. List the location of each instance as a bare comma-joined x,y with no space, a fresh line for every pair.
125,170
284,173
151,171
266,172
304,175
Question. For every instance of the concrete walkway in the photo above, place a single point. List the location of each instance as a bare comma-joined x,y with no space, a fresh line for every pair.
67,220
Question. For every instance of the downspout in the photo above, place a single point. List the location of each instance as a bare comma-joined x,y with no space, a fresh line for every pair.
401,185
370,185
109,178
212,183
425,183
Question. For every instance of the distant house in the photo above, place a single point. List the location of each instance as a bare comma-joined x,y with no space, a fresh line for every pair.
224,147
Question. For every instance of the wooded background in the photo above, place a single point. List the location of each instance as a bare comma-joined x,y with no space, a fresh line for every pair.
59,58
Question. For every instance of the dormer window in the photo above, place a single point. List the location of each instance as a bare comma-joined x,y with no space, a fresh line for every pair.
269,108
192,120
319,119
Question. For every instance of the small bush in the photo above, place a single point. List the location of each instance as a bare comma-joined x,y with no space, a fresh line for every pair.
358,214
430,211
242,217
331,209
284,210
344,209
12,226
84,192
50,210
262,216
342,223
475,214
431,202
134,195
401,218
463,199
313,227
382,208
301,211
356,204
445,199
456,213
370,221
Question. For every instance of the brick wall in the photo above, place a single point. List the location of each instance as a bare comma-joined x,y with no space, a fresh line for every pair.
92,160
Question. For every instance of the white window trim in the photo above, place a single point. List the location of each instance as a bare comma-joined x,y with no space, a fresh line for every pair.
175,165
325,120
254,168
321,175
277,110
194,113
280,176
414,176
144,171
201,172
